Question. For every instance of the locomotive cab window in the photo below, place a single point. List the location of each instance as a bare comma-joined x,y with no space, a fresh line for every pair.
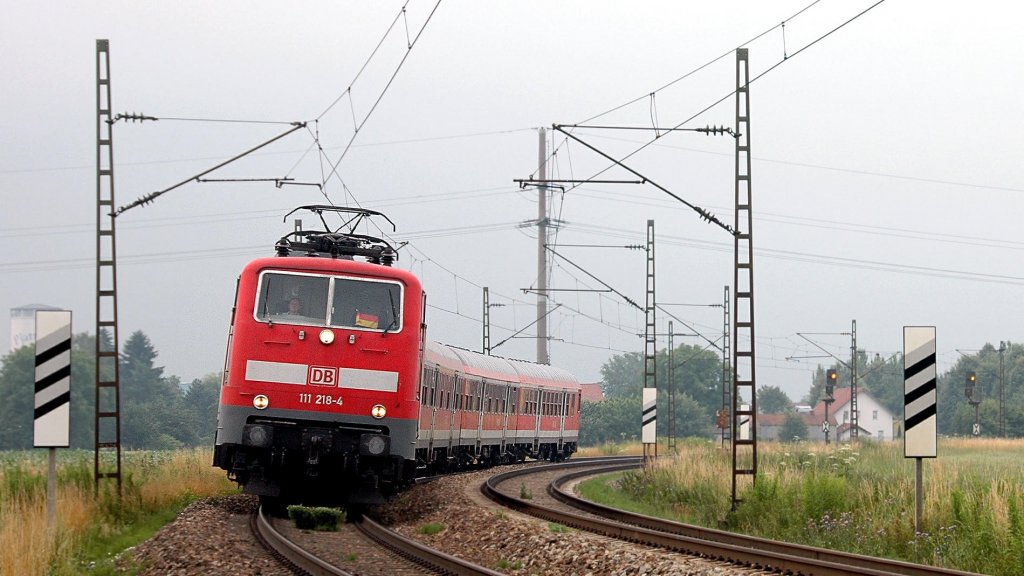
329,301
366,305
292,298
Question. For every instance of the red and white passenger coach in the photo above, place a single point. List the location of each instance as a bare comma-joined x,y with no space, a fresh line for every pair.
331,391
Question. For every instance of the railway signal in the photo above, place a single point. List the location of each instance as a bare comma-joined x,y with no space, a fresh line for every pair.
831,376
969,387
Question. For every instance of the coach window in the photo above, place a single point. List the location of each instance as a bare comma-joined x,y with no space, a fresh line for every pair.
366,305
429,375
292,298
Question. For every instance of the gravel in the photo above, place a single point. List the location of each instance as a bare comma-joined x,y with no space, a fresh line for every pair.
212,536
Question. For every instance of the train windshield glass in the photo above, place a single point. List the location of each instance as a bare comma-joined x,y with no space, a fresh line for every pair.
293,298
330,300
367,305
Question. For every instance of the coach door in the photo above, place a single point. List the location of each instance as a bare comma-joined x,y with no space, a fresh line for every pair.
428,390
506,407
562,411
539,394
455,428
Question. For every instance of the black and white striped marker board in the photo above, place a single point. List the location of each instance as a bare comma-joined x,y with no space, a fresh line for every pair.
649,430
919,412
53,379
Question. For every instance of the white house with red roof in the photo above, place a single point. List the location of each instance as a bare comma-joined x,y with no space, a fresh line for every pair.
874,421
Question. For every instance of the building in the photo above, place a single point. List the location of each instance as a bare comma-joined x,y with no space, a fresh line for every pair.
23,324
873,420
592,392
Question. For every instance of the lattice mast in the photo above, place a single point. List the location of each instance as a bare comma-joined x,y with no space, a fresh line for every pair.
854,410
744,392
487,322
726,367
650,344
107,458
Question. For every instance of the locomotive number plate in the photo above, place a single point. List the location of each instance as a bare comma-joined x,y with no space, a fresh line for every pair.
320,399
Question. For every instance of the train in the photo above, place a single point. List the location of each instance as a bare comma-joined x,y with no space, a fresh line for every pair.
332,392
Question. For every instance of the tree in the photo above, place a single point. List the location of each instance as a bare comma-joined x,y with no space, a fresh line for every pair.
17,378
200,403
16,388
793,428
772,400
696,372
622,376
152,414
612,420
691,419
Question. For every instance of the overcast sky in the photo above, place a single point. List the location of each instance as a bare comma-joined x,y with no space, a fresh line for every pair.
886,164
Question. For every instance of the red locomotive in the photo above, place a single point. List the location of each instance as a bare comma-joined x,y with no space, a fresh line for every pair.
331,391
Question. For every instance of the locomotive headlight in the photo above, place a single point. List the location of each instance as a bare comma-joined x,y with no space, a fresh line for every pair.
378,411
326,336
257,435
260,402
374,445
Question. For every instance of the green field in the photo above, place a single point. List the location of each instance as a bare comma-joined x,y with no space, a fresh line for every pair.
92,528
856,498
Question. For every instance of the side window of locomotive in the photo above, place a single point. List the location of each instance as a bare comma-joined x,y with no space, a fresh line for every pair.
367,305
292,298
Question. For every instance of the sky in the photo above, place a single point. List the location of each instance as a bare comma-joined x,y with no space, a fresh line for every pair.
886,188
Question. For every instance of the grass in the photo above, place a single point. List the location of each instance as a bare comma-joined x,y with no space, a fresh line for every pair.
860,499
509,565
431,529
92,528
524,492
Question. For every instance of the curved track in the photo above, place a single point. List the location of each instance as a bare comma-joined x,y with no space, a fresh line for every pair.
290,554
301,561
735,548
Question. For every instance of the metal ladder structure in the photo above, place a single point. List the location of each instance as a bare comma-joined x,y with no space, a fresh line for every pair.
107,460
487,322
744,389
650,335
854,409
726,367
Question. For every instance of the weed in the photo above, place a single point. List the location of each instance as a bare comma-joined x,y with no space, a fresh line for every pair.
524,493
431,528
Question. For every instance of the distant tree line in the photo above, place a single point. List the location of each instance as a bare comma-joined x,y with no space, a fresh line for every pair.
157,412
882,378
697,387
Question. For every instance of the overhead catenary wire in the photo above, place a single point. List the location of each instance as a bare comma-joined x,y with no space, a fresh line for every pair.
699,68
620,161
412,43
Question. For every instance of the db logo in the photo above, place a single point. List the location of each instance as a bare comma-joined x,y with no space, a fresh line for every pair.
323,376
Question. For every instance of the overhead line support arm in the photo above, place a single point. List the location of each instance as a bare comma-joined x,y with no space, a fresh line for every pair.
704,214
154,195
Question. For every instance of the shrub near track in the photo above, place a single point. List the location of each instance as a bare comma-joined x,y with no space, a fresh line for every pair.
858,498
92,528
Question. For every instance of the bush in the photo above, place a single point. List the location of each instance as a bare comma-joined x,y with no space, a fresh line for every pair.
319,518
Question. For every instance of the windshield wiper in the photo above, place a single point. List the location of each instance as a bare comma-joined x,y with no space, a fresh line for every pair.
394,313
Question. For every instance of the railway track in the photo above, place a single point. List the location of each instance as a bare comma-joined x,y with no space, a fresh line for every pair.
735,548
301,561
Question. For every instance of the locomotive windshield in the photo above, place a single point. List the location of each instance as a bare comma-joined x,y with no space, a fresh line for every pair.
329,301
